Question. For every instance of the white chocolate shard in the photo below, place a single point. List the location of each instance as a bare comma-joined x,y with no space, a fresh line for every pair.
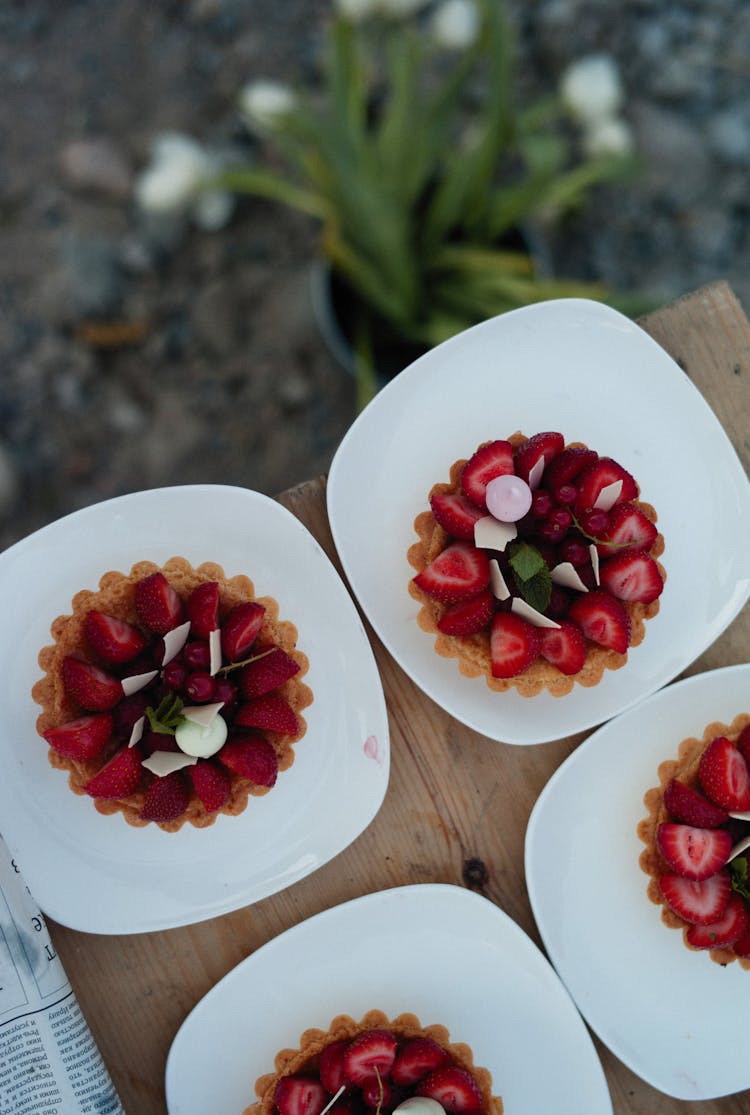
137,732
531,615
174,641
202,714
491,534
333,1099
135,682
536,474
214,646
567,575
741,816
608,496
162,763
498,586
739,846
595,561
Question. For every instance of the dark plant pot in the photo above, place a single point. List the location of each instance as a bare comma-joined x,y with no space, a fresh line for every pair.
336,306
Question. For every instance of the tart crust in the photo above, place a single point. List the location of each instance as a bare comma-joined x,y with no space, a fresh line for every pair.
473,651
684,767
313,1042
115,597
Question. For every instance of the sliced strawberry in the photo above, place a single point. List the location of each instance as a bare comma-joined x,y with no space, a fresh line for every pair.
468,618
700,903
267,673
119,777
377,1094
253,757
166,798
724,775
158,606
691,852
112,639
203,609
743,743
741,947
332,1066
129,710
270,713
370,1051
212,784
567,465
458,573
632,575
514,644
81,739
602,619
628,529
598,476
415,1059
490,460
565,647
300,1095
456,514
239,630
90,687
544,446
687,805
454,1088
733,924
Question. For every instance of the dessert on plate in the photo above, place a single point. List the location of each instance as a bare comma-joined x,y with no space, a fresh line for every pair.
373,1066
697,841
171,694
537,564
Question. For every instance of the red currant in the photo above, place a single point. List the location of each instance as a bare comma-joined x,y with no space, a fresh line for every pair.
200,687
197,655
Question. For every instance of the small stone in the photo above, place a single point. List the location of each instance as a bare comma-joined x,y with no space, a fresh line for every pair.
97,165
95,276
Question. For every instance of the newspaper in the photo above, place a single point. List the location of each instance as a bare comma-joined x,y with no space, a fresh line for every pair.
49,1061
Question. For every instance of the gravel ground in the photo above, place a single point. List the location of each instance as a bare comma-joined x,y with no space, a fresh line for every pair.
218,373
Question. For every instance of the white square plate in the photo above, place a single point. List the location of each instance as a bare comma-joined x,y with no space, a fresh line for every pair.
98,873
670,1014
587,371
440,952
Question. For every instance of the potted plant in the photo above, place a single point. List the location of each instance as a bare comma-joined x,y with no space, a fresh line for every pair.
421,168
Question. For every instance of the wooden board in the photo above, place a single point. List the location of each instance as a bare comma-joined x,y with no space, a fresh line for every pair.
455,812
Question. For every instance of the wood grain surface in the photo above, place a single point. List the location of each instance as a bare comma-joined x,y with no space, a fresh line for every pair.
455,812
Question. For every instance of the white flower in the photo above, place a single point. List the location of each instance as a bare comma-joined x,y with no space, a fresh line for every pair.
455,24
591,87
265,102
357,10
173,183
610,135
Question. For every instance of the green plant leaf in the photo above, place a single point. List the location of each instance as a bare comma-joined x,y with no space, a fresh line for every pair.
738,870
167,717
531,574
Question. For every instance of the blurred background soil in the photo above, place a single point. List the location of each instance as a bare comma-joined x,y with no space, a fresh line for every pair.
210,367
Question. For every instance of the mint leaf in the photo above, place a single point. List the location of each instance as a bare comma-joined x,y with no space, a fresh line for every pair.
525,561
738,872
531,575
167,717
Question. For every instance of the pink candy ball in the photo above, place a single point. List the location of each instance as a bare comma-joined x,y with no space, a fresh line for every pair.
508,498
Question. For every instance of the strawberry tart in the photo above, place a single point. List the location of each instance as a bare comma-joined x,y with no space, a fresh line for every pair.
697,838
374,1066
172,694
537,564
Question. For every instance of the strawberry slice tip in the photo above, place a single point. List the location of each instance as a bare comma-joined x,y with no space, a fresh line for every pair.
371,1050
724,775
415,1059
203,609
158,606
239,630
686,804
253,757
267,673
456,514
270,713
90,687
468,618
698,902
693,853
495,458
733,924
602,619
84,738
514,645
212,784
632,575
300,1095
628,529
119,777
331,1066
564,647
458,573
598,476
112,639
454,1088
544,446
166,798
